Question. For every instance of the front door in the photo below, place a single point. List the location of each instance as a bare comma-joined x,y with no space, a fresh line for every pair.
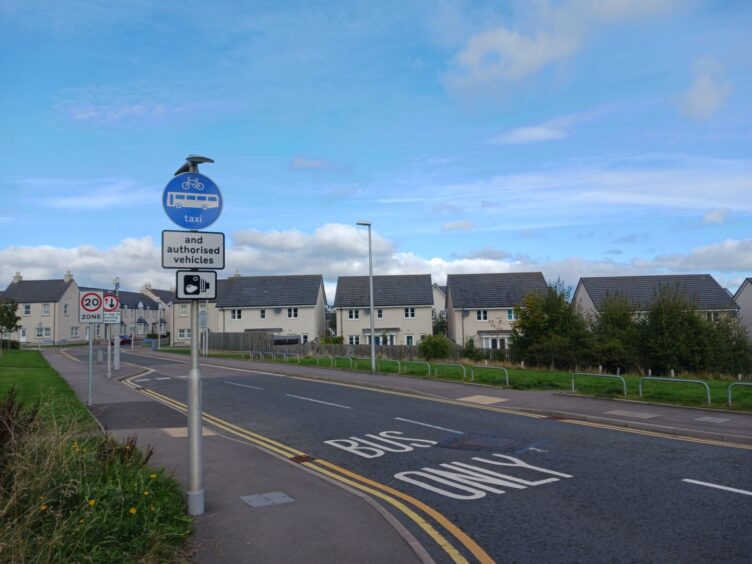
22,335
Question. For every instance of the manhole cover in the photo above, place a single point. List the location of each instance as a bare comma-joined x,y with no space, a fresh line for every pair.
271,498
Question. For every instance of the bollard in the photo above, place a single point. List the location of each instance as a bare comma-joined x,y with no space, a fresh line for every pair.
100,357
673,375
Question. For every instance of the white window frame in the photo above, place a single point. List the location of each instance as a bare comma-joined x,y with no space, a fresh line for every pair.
292,313
409,340
481,315
354,339
353,314
262,313
27,309
305,338
184,334
74,332
236,314
45,310
409,313
66,307
511,316
379,314
183,310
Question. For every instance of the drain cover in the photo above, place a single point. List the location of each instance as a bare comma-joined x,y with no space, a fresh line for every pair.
271,498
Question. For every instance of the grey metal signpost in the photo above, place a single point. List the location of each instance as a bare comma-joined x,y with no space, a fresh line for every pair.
188,186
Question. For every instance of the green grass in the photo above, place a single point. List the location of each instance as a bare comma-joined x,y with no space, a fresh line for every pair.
70,494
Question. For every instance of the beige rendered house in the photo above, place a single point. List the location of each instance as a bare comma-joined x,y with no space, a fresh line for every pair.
48,310
289,307
481,307
743,298
403,308
702,289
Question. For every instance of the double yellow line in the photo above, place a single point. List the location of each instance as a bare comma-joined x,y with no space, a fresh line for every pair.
417,511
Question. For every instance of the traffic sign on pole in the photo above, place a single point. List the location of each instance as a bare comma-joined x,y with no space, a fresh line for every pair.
111,309
91,305
196,285
192,200
193,249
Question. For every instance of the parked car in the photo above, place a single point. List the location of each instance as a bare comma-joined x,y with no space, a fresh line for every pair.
124,340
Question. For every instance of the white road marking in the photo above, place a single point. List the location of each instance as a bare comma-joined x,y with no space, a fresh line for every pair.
141,380
708,419
182,432
244,385
164,378
319,401
634,414
482,400
716,486
427,425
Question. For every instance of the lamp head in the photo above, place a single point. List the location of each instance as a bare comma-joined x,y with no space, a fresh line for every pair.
364,223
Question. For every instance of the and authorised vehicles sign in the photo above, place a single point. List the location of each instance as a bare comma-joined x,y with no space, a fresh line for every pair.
193,249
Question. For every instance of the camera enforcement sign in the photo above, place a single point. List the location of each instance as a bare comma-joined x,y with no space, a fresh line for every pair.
196,285
193,249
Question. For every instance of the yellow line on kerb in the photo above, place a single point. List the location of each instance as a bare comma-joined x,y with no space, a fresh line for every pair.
657,434
357,481
70,356
453,553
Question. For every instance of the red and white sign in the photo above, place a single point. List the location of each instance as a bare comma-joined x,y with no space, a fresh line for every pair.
111,309
91,307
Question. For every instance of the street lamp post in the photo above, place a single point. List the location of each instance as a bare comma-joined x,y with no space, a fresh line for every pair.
160,327
370,285
116,282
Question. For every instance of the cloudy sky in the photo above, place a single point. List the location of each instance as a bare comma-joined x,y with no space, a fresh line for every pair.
574,137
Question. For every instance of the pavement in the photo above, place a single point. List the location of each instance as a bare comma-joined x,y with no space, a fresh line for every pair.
231,530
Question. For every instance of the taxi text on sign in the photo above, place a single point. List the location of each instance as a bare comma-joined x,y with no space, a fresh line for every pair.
193,249
90,307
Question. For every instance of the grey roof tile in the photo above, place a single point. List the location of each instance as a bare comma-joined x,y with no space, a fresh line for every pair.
36,291
495,290
397,290
270,291
641,290
127,299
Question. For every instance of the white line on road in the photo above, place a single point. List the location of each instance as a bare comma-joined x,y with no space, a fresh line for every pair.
244,385
716,486
319,401
141,380
165,378
427,425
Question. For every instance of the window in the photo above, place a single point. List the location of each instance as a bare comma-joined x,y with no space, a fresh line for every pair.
292,312
44,332
98,332
27,309
481,315
262,313
353,314
140,328
354,339
409,312
184,334
510,315
236,314
45,309
305,338
183,312
409,340
380,313
74,332
65,309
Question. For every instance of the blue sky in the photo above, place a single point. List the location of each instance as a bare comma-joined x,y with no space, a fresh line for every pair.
578,137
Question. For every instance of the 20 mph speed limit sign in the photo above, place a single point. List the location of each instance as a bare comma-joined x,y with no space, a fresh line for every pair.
91,307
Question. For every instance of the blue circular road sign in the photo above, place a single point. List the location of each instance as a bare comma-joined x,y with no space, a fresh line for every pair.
192,200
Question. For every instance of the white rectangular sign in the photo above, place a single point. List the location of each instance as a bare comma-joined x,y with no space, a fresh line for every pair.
111,317
196,285
90,307
193,249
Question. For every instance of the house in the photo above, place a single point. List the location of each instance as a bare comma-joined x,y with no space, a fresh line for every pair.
48,310
439,301
403,307
743,298
481,307
290,307
701,289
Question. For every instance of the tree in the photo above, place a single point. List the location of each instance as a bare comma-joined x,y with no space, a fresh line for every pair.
8,318
435,346
616,335
439,325
549,329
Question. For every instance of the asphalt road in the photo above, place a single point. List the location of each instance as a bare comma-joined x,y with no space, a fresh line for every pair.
523,488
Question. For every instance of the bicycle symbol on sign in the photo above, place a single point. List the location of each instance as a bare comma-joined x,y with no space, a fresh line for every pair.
192,183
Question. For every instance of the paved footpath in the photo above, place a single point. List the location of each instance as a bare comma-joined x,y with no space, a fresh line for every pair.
324,523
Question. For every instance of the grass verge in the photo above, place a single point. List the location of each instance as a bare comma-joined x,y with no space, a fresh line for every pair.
70,494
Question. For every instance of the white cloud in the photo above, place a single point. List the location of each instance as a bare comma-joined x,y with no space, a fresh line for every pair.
548,131
708,91
86,194
304,163
715,217
462,225
556,32
334,250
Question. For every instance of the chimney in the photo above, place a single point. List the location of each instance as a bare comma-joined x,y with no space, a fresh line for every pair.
17,278
68,276
237,274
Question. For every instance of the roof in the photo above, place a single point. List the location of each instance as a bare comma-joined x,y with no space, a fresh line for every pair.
495,290
166,296
641,290
397,290
127,299
269,291
36,291
736,294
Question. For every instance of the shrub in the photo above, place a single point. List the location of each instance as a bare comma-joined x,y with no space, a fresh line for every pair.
338,340
435,346
470,351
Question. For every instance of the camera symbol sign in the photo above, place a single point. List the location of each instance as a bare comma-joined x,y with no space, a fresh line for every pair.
196,285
